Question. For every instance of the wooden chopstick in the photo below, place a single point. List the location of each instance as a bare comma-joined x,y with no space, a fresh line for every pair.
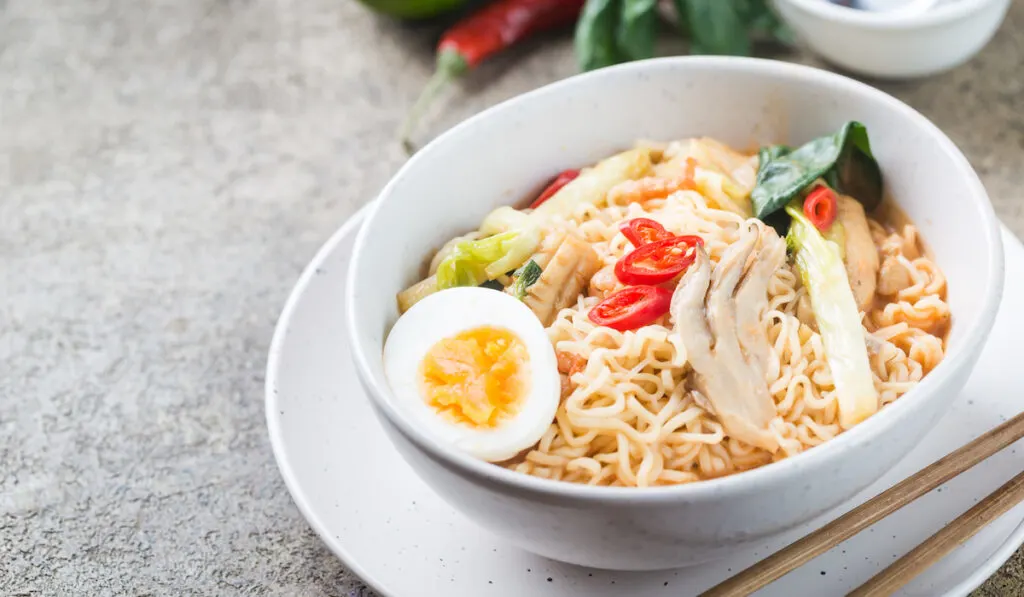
803,550
946,540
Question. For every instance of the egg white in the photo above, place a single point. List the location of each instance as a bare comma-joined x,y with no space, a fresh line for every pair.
445,314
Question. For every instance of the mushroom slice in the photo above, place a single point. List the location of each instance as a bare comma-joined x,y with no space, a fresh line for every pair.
751,298
729,371
894,275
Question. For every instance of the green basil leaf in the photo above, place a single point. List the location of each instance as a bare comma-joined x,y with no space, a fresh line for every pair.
771,152
844,159
638,29
749,11
727,26
682,16
780,221
784,34
857,174
526,276
763,22
595,41
715,27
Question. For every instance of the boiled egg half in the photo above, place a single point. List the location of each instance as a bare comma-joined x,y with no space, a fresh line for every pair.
473,367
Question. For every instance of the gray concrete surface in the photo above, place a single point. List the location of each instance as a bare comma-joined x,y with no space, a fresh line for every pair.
166,169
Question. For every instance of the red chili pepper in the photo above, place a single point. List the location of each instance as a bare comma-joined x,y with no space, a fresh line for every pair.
641,231
821,207
493,28
659,261
556,185
631,308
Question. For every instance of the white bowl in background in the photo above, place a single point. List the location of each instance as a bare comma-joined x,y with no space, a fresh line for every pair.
501,155
894,45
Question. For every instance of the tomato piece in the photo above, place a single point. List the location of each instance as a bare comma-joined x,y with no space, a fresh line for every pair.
556,185
641,231
631,308
659,261
821,207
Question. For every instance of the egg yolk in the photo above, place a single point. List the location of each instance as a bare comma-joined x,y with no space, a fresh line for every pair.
477,377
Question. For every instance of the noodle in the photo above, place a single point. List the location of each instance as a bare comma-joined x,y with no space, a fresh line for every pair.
632,419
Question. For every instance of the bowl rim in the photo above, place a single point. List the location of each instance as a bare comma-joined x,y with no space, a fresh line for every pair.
519,484
939,15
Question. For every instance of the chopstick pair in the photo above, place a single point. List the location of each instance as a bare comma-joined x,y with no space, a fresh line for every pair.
921,557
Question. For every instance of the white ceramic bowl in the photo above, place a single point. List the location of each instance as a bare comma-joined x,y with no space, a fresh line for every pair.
895,45
501,155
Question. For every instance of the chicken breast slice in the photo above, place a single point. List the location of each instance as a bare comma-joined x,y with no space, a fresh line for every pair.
861,253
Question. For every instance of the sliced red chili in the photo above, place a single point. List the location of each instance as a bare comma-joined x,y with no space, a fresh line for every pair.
821,207
641,231
631,308
659,261
556,185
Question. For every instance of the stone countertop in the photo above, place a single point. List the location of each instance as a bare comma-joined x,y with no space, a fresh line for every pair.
166,169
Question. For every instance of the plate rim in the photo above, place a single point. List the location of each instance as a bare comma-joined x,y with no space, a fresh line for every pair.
350,226
999,556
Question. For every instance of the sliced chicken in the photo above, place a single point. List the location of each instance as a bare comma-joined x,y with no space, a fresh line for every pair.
738,172
569,364
742,169
604,282
729,371
564,278
711,154
893,276
861,253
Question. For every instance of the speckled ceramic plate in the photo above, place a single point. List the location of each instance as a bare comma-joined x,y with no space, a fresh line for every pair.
391,530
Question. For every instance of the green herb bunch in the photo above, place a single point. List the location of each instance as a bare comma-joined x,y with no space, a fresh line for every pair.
613,31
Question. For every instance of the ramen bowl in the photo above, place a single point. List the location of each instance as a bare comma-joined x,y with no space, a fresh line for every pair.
504,154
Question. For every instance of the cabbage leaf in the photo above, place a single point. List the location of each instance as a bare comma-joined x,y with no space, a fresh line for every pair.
473,262
835,309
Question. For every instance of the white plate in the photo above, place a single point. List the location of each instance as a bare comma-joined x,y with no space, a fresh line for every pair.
391,530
